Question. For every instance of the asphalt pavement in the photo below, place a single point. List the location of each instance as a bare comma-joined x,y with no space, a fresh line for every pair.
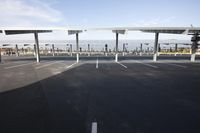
130,96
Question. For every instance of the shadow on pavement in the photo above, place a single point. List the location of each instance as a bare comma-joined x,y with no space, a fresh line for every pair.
27,110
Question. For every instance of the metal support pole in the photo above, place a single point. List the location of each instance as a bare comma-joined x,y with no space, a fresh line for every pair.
77,48
34,48
193,50
70,49
53,50
156,47
141,49
94,127
116,49
88,49
106,49
17,50
0,54
159,49
37,47
123,49
176,49
194,47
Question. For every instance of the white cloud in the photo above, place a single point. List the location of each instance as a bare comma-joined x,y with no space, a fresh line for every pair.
28,13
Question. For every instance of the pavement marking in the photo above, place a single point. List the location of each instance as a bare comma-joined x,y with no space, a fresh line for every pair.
147,64
71,65
97,64
94,127
177,65
121,64
18,65
47,64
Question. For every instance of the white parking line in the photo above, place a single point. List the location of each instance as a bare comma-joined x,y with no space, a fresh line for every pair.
147,64
48,64
94,127
71,65
176,65
18,65
97,64
122,64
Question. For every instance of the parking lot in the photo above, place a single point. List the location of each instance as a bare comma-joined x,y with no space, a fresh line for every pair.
135,95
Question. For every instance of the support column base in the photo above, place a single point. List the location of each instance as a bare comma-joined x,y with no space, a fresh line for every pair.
77,58
155,57
192,58
116,57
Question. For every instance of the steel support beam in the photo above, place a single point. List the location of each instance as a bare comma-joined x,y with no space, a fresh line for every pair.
193,51
106,49
176,49
141,49
117,32
34,47
70,32
116,48
88,49
195,39
37,47
77,48
0,54
70,49
155,47
53,50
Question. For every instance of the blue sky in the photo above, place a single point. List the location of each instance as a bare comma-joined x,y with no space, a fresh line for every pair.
99,13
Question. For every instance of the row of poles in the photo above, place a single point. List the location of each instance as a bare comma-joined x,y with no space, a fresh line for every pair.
141,49
52,49
194,46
